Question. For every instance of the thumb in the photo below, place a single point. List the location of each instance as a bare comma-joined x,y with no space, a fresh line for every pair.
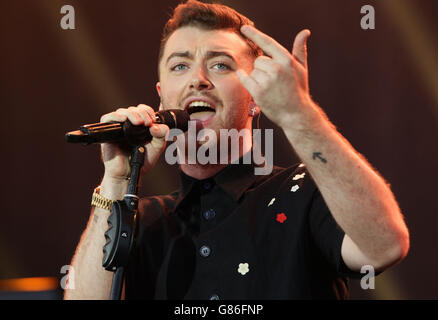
299,50
159,133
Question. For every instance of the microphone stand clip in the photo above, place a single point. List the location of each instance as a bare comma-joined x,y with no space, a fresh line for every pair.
121,231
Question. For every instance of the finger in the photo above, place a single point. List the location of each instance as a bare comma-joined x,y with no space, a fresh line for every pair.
147,121
132,115
147,108
262,62
113,116
158,132
266,64
299,50
265,42
248,82
260,76
147,113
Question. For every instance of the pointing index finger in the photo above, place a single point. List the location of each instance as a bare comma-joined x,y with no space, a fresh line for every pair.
265,42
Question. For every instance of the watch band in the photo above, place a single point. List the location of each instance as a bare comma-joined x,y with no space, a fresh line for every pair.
101,202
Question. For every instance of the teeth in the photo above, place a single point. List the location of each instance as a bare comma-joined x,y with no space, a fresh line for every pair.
199,104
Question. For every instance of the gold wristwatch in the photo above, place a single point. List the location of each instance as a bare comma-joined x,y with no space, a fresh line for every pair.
101,202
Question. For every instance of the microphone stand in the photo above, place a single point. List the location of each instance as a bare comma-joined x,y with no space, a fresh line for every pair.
120,235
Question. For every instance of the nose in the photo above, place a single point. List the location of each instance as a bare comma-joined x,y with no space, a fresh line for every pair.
200,80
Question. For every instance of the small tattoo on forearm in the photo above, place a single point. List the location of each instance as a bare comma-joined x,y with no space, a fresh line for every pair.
319,156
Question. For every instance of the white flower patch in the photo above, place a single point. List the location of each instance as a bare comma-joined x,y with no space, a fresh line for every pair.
294,188
299,176
271,202
243,268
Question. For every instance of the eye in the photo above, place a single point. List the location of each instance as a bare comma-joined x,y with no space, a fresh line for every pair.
179,67
221,66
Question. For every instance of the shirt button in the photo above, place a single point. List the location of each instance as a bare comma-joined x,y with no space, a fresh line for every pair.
207,185
205,251
209,214
214,297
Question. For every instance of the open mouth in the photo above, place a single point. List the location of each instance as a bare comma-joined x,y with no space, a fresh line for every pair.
200,110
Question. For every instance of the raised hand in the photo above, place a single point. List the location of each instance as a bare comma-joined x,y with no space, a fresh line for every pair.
278,82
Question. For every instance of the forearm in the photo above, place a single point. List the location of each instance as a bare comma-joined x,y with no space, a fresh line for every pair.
91,280
357,196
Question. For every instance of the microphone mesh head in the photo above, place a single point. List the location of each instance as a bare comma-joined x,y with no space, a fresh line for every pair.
182,119
175,118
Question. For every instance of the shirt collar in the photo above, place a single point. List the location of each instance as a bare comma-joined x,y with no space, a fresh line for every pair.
234,179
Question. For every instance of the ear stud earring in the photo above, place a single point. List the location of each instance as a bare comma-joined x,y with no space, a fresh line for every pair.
252,109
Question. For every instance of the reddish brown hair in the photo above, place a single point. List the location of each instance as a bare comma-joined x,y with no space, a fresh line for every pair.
207,16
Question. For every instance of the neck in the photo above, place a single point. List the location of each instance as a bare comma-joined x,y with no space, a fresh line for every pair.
204,171
200,172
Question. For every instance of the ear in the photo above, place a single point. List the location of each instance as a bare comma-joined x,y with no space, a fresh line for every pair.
158,87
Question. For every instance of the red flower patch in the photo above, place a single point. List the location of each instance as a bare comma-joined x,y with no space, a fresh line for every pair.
281,217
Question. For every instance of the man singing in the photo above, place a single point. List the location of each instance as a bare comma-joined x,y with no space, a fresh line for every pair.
226,233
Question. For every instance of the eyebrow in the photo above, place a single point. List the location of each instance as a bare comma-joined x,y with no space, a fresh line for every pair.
210,55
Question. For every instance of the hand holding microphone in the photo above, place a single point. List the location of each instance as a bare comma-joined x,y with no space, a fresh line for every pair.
127,133
130,126
115,159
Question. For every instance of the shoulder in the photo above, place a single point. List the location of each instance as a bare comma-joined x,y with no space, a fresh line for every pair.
292,180
152,208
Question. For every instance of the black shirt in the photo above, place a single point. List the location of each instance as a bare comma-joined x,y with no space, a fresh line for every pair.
238,236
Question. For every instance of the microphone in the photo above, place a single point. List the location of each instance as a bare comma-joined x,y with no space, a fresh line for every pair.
126,132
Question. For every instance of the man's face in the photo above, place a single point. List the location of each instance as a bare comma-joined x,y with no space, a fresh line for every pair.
197,73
